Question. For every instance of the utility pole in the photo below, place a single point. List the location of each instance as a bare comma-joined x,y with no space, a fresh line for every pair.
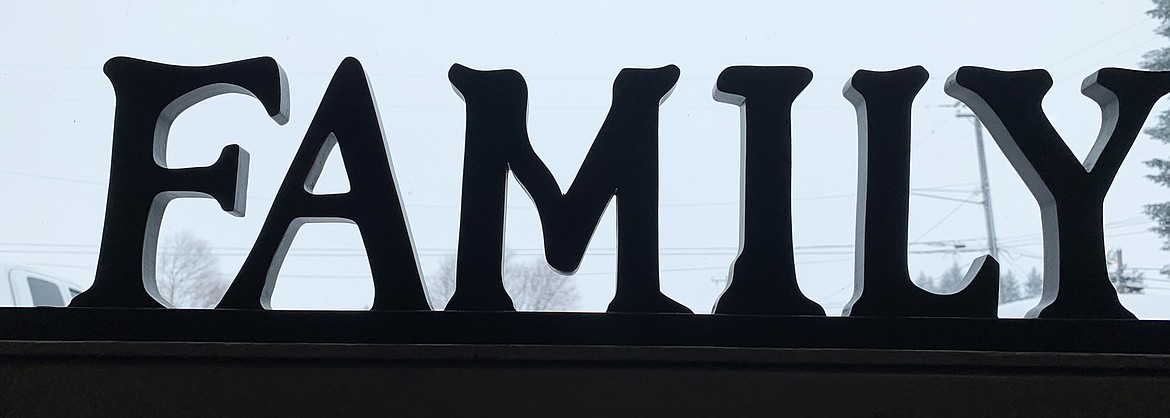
1115,257
1120,266
985,186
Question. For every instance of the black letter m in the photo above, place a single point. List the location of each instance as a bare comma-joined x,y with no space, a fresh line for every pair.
622,163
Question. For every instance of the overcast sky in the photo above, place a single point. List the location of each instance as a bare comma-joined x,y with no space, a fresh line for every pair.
56,108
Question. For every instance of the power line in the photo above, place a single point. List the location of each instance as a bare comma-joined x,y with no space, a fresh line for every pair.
105,182
91,249
55,178
1099,43
944,218
1111,57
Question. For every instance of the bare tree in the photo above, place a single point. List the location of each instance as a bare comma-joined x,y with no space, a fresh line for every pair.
187,272
532,284
441,286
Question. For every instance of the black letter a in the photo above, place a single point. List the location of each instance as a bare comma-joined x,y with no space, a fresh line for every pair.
346,118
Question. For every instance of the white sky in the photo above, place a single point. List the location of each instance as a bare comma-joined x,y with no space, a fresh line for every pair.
56,108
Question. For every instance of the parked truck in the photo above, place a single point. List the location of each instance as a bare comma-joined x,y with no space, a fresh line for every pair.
24,286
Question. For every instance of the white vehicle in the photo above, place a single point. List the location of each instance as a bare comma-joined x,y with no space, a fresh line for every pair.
23,286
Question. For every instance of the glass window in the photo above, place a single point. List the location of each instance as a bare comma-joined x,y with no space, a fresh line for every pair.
58,107
44,293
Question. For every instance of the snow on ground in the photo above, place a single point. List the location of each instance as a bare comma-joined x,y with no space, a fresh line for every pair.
1149,305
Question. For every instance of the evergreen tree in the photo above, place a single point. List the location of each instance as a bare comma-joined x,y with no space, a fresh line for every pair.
925,282
1159,60
948,282
1009,288
951,279
1034,285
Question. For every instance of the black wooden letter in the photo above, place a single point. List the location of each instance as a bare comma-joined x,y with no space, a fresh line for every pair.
882,284
348,119
1070,194
622,163
763,277
149,97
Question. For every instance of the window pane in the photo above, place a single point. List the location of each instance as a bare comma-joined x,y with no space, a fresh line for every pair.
44,293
